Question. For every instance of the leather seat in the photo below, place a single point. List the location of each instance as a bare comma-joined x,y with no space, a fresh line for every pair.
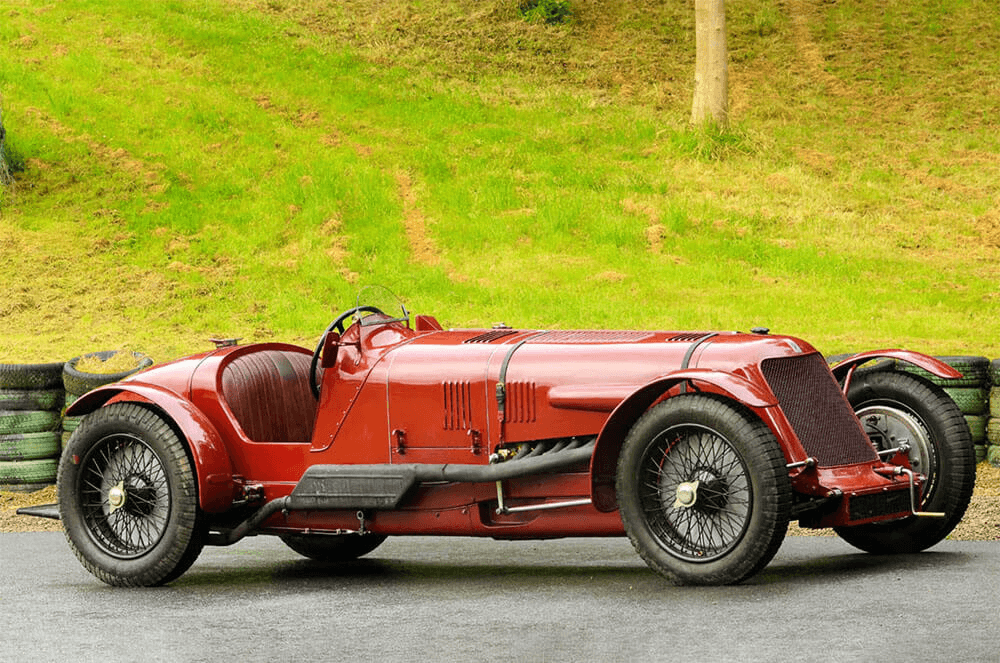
268,393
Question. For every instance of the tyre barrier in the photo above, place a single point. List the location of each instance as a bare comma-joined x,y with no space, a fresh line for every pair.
33,428
78,382
31,402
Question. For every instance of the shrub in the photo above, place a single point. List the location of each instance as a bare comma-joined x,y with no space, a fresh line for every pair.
546,11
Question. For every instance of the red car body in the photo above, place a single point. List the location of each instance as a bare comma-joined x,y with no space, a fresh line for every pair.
422,430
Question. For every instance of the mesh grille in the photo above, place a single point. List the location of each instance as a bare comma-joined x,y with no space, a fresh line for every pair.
583,336
818,411
863,507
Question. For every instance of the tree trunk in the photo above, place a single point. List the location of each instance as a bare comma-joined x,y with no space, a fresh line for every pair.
711,74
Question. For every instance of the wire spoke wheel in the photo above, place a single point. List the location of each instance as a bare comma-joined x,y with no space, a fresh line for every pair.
695,493
125,496
703,491
128,497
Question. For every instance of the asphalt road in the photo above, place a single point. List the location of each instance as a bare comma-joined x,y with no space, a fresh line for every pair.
438,599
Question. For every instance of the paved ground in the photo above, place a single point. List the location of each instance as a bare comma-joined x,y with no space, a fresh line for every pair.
437,599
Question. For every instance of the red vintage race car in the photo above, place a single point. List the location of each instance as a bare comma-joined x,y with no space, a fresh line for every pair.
700,447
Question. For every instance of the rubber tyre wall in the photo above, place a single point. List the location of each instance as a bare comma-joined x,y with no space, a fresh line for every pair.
29,446
78,382
14,422
992,451
31,376
31,399
28,472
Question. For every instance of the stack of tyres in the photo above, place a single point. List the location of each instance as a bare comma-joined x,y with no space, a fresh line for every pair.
31,400
971,393
993,424
78,382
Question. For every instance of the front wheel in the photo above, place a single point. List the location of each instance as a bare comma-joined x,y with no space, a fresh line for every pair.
128,498
899,407
703,491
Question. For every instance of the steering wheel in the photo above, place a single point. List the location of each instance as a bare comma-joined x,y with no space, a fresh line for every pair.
338,326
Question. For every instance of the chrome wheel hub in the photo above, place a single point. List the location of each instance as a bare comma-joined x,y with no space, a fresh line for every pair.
687,495
116,496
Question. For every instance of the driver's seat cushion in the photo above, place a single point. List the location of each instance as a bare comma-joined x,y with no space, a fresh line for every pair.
268,393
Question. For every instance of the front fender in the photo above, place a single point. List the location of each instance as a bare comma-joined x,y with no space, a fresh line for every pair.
930,364
609,441
213,467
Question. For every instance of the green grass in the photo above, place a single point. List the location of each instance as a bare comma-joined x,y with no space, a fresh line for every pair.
243,167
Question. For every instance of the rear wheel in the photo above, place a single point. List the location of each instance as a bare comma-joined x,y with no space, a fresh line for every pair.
703,490
128,498
898,407
333,547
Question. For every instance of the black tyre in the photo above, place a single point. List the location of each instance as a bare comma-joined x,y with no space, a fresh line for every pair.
29,446
703,491
333,548
893,406
31,376
15,422
128,498
31,399
41,472
80,382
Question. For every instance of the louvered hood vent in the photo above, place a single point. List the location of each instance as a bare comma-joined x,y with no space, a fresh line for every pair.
490,336
687,337
572,337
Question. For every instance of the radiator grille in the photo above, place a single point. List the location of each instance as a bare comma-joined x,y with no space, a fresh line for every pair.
818,411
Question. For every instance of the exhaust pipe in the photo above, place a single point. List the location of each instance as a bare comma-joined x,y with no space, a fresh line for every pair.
341,487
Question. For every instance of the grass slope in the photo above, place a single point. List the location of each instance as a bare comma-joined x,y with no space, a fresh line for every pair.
241,167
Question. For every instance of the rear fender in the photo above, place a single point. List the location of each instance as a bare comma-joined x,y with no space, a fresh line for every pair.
930,364
213,467
609,441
